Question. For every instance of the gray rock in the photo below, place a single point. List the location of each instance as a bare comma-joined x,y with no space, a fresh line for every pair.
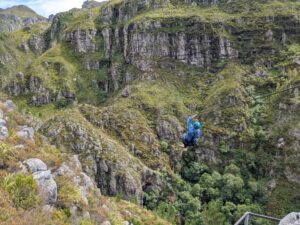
24,47
105,208
297,60
9,105
272,184
107,34
1,114
86,215
73,169
37,44
296,133
269,35
91,4
3,133
20,75
169,129
2,122
291,219
41,95
35,165
92,65
284,38
83,40
112,182
46,186
25,132
126,92
106,223
280,143
19,146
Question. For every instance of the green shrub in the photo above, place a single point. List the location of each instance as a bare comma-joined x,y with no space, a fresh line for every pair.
164,146
86,222
167,211
63,103
135,222
68,194
212,214
233,169
193,170
6,153
118,197
22,189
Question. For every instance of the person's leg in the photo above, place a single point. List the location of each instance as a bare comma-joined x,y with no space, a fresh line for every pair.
183,138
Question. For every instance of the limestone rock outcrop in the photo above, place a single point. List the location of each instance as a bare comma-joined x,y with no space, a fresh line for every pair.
47,187
291,219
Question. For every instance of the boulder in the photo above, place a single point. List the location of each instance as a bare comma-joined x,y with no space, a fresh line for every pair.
291,219
9,105
106,223
2,122
35,165
47,187
3,133
25,132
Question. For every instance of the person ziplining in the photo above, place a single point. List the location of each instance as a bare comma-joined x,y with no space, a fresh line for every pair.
193,127
193,132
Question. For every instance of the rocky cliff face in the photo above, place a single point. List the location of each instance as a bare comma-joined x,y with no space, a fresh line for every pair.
18,17
113,173
141,45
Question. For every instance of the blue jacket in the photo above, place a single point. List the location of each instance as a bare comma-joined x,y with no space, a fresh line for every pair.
192,135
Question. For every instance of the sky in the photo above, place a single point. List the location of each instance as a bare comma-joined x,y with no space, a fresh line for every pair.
44,7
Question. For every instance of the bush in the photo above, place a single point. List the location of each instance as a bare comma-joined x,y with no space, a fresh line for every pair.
6,153
68,194
233,169
22,189
118,197
193,171
164,146
167,212
135,222
63,103
213,214
86,222
151,199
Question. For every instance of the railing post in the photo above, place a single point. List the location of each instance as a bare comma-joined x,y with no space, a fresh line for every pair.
246,221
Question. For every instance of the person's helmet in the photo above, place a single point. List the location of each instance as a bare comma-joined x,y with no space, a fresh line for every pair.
197,125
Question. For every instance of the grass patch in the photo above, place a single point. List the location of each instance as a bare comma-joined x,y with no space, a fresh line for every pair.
22,189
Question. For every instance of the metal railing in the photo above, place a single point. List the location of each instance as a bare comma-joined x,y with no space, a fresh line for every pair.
246,218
